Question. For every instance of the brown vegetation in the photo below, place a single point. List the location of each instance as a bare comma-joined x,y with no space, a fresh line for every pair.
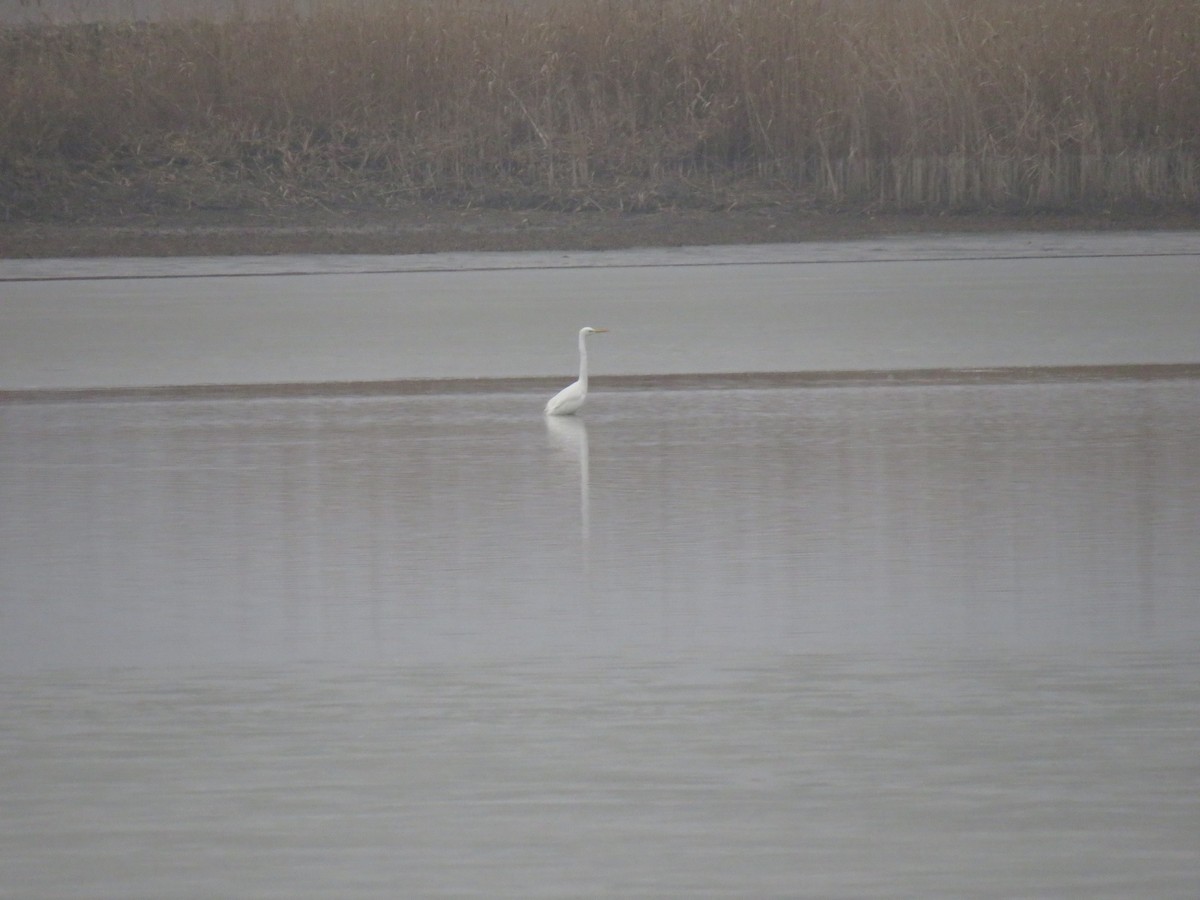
635,105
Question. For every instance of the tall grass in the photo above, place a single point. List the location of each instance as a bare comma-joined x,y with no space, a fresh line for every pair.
946,104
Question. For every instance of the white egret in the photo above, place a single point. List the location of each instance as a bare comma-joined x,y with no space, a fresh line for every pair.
567,401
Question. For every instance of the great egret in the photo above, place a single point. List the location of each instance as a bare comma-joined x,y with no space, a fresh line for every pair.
567,401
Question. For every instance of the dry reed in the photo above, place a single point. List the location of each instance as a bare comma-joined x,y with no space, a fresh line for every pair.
933,104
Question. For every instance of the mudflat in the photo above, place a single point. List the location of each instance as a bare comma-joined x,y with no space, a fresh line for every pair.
420,228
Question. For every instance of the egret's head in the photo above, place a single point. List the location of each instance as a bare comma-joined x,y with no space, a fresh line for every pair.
591,330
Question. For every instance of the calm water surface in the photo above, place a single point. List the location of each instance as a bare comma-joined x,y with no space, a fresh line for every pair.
882,641
889,304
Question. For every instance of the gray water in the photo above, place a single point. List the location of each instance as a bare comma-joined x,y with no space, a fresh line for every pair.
877,640
837,642
1027,300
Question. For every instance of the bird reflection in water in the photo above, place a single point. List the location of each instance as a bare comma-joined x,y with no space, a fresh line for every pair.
568,435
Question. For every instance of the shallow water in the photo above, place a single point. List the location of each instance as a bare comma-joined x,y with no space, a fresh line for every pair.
931,641
1024,300
883,640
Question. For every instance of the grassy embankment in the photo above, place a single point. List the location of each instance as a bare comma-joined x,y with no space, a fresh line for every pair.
944,105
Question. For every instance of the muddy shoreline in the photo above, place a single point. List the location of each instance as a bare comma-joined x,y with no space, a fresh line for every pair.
715,381
433,229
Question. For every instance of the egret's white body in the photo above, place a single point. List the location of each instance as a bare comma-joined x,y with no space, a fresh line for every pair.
567,401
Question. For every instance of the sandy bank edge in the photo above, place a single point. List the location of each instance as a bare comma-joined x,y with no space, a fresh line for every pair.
668,382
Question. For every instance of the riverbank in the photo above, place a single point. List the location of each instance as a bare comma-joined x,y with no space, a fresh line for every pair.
436,229
405,126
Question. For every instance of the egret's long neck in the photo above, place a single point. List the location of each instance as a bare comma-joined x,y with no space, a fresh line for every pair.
582,361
